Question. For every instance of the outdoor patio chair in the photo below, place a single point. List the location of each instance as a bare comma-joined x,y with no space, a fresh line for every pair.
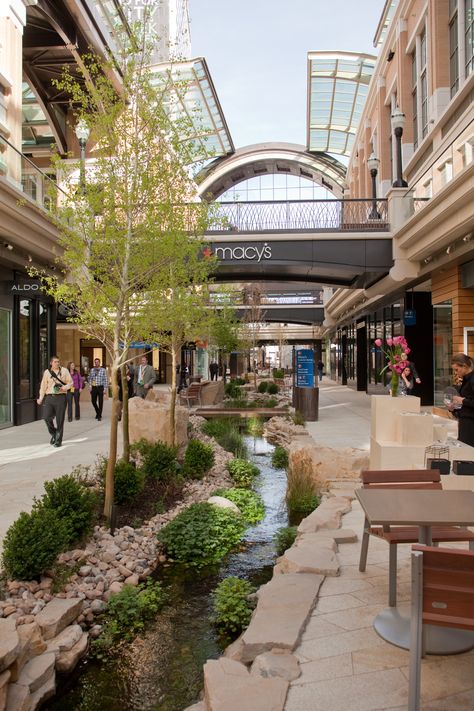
394,535
191,395
442,594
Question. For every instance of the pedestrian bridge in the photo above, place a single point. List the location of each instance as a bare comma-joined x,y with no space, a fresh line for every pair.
335,242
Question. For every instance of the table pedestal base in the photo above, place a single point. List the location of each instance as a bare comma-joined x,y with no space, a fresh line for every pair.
393,625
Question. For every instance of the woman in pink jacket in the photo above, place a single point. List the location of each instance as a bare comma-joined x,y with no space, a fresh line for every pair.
74,393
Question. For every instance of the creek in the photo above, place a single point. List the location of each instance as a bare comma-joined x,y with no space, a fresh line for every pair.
161,670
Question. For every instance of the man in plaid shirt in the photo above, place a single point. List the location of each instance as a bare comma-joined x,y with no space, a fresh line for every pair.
98,382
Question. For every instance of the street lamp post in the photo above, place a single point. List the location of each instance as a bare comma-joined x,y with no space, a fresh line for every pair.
373,165
82,133
398,124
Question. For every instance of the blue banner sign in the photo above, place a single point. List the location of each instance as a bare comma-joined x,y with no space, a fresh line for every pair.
305,368
409,317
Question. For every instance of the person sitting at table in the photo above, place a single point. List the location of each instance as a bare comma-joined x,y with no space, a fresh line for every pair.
462,405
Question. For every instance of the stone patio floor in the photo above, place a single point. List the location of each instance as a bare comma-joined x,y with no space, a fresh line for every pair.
346,666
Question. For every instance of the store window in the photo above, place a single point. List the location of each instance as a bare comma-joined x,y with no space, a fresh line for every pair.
25,327
469,35
44,337
453,46
442,349
5,368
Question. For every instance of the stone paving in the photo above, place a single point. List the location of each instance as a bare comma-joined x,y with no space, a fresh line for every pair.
346,665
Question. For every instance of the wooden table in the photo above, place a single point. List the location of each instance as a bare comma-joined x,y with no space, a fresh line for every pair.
423,508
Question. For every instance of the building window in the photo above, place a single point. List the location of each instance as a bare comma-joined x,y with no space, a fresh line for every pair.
453,46
25,348
446,172
428,189
5,368
469,35
414,99
423,86
466,151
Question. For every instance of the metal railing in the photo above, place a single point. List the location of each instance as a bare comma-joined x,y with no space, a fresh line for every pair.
301,216
25,176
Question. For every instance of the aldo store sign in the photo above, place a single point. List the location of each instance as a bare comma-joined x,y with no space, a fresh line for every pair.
22,288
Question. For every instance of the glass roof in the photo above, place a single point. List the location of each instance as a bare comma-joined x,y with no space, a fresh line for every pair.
191,96
36,131
337,88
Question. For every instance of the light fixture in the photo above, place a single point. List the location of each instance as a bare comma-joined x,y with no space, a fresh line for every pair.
8,246
82,131
373,165
450,249
427,260
398,124
467,238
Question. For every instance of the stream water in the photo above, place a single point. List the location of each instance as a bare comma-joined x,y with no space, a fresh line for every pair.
162,669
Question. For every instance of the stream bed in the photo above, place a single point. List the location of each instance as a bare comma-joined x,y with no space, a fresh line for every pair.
161,670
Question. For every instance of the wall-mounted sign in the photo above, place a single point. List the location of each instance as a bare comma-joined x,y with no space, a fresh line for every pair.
305,368
409,317
29,287
248,252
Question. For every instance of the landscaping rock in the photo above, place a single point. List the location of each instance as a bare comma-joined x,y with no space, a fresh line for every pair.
288,599
306,557
65,640
223,503
43,693
132,580
67,660
327,516
325,464
31,645
228,686
37,671
57,615
4,679
276,663
9,642
150,419
18,698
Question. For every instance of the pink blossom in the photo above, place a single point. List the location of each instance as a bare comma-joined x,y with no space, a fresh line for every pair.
378,342
396,356
389,342
407,351
396,340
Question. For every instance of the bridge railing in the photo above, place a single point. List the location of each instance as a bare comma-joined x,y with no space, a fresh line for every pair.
301,216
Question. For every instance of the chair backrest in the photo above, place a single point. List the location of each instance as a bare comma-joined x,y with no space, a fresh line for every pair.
193,389
401,479
447,586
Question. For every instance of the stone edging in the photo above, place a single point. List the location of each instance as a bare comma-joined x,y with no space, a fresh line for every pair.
256,669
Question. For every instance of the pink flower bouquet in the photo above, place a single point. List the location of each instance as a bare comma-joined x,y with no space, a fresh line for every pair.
396,351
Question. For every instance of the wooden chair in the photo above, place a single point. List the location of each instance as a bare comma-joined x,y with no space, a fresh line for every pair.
191,394
394,535
442,594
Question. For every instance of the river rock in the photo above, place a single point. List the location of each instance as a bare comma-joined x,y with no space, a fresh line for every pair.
223,503
57,614
9,642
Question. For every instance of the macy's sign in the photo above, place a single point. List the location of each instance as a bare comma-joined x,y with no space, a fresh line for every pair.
249,252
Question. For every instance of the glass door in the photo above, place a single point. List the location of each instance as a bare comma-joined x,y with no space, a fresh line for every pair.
5,369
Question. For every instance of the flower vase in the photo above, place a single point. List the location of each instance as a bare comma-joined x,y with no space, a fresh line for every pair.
394,384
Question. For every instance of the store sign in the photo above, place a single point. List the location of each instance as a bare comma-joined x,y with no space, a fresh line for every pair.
305,368
251,253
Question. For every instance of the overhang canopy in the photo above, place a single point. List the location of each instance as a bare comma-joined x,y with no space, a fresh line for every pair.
337,88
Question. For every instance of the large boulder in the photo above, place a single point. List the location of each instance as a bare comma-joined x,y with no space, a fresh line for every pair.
150,419
57,615
9,643
212,392
324,464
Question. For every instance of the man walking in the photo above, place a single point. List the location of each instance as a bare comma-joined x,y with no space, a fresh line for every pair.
213,370
98,382
55,383
144,378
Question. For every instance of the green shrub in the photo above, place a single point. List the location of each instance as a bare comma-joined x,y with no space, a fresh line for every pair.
225,431
73,502
272,389
33,542
242,472
239,404
298,418
201,535
255,426
262,387
239,381
271,402
280,458
158,460
285,538
232,607
129,481
127,612
233,390
301,497
249,502
278,373
198,459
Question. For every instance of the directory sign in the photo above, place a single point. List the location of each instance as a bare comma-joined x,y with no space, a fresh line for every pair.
305,368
